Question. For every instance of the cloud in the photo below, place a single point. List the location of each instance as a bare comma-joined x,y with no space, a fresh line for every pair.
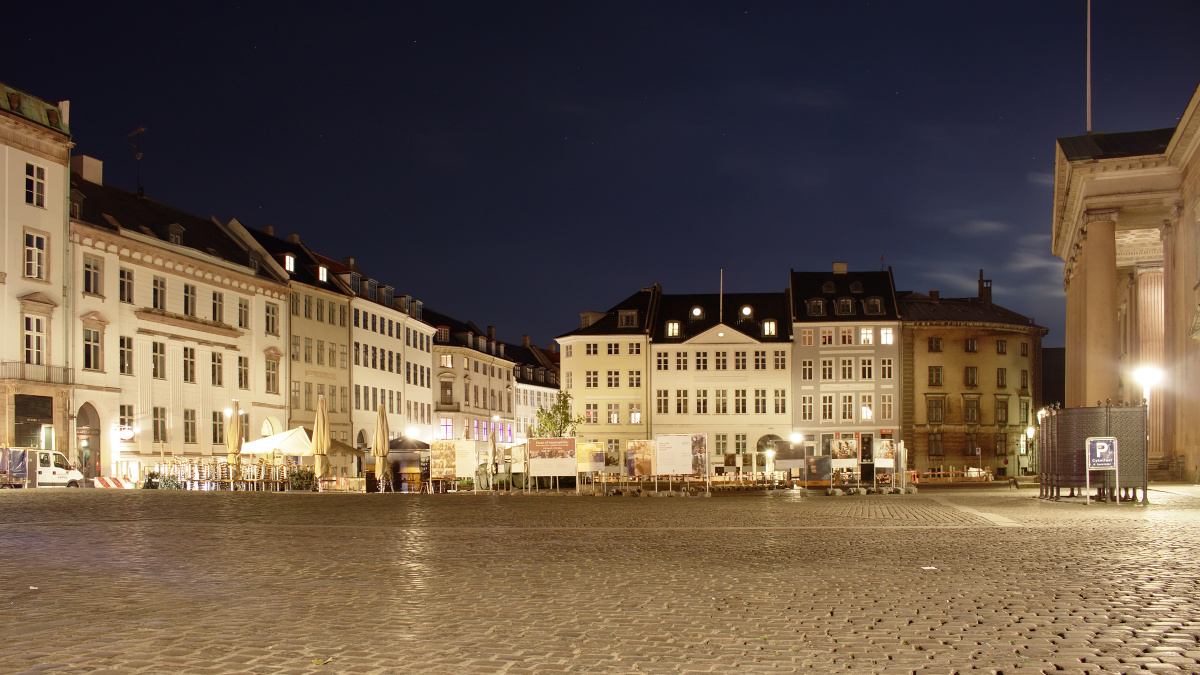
1040,178
979,228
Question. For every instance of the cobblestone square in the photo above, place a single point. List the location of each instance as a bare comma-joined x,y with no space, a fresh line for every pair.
947,580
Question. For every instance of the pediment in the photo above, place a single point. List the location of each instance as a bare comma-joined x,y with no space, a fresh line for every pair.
37,303
273,352
94,318
721,334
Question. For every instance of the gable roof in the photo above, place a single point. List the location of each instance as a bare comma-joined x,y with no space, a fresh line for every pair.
26,106
306,261
683,307
917,307
642,303
831,286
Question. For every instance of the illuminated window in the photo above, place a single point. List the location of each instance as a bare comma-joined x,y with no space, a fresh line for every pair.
672,329
289,262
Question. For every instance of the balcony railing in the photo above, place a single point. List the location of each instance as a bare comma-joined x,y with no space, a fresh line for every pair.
19,370
446,407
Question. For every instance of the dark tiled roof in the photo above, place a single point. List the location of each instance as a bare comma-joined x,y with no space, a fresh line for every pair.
830,286
109,207
1110,146
918,307
763,306
458,329
537,358
643,302
16,102
306,262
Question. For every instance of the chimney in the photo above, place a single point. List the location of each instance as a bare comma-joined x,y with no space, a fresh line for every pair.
267,229
65,108
553,347
492,333
525,341
839,268
348,261
88,168
294,238
501,350
985,289
933,295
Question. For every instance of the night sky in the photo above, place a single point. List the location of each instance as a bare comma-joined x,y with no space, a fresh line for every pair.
516,163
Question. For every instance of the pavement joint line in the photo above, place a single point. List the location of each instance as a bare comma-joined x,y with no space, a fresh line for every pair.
996,519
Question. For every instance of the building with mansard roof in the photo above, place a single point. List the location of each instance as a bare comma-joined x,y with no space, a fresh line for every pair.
475,384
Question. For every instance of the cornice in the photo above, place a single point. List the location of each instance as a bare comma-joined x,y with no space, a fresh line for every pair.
991,325
184,321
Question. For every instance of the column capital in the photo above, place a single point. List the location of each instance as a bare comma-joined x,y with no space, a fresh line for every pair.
1100,215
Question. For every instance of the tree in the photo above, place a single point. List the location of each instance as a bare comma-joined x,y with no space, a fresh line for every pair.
556,422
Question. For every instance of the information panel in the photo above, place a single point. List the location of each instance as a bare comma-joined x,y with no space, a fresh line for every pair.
639,458
673,456
552,457
441,460
589,457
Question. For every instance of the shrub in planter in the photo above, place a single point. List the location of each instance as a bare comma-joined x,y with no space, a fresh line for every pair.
151,482
303,479
169,483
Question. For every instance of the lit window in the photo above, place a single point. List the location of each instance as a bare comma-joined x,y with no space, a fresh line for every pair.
323,273
769,327
672,329
289,263
885,336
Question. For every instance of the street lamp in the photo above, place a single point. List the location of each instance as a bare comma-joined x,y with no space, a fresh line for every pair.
1147,376
1029,446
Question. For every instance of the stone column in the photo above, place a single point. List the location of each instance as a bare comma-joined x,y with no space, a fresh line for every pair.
1100,334
1150,329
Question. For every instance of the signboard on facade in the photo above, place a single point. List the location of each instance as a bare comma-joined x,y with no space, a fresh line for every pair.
552,457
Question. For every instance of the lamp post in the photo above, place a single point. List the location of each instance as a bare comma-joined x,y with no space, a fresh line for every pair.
1029,446
795,438
1147,376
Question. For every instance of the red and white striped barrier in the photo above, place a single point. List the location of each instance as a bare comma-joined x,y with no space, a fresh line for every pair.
102,482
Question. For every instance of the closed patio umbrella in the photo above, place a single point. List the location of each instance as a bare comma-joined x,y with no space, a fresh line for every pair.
320,441
233,441
379,448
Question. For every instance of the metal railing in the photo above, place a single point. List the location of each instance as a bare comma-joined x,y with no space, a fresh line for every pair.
19,370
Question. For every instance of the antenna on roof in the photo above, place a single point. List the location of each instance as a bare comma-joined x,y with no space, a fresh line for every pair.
881,268
721,299
136,135
1089,66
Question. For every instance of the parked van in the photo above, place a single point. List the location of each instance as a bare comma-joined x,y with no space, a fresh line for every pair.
31,467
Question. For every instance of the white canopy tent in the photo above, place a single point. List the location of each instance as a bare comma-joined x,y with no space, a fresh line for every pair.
294,443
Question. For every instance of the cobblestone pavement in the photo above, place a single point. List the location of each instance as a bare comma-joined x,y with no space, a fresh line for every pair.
947,580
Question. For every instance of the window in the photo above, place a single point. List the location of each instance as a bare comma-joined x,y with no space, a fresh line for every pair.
627,318
885,406
866,404
591,413
592,348
1024,412
1001,378
739,360
308,306
614,413
826,369
35,256
158,295
661,401
806,408
91,349
614,348
816,307
566,350
592,379
272,375
702,401
635,348
1002,410
848,407
847,369
826,407
357,396
271,319
1024,349
760,360
35,185
1024,379
847,336
321,353
158,360
321,309
826,337
845,306
935,410
760,401
780,401
243,313
308,350
91,275
614,378
342,316
308,396
681,361
971,376
296,349
739,443
866,368
768,329
189,364
739,401
874,305
806,337
885,369
125,355
218,370
672,329
935,445
970,345
720,362
681,401
1001,346
189,425
125,285
294,304
866,336
701,360
189,299
721,402
935,344
159,416
243,369
935,376
218,307
806,369
635,413
635,378
660,361
971,410
780,360
885,336
126,417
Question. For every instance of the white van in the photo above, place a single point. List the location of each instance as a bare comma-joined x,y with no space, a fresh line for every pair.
30,467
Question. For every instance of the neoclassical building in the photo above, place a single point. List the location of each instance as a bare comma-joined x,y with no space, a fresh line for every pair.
1125,225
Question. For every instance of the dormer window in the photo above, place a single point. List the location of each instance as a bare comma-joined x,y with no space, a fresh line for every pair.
874,305
829,287
387,295
856,287
443,334
254,260
323,273
697,312
845,306
672,329
289,262
627,318
372,289
768,328
746,312
355,283
175,233
816,307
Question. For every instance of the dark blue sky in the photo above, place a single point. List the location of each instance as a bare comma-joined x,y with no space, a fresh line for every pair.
515,163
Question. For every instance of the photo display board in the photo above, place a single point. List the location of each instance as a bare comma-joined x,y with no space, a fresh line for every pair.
673,456
466,458
639,458
589,457
552,457
789,455
519,453
844,451
441,460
